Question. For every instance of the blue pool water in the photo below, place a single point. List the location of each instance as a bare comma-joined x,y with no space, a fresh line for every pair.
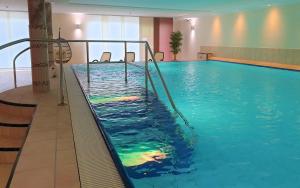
246,123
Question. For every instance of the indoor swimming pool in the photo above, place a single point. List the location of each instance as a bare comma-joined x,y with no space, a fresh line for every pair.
245,119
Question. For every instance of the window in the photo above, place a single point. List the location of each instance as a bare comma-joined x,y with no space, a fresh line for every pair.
112,28
14,26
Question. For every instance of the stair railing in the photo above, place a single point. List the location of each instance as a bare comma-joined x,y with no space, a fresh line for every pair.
147,46
147,73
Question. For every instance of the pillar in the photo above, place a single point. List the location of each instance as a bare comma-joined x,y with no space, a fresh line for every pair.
49,32
39,51
163,28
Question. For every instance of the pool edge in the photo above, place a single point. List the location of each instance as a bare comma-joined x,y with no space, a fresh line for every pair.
111,150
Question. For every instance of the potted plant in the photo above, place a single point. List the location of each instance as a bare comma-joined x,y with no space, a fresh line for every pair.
175,44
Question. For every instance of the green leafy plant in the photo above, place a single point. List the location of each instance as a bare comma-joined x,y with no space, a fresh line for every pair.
175,44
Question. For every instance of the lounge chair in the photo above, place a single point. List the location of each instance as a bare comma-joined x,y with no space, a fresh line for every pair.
130,57
105,57
159,56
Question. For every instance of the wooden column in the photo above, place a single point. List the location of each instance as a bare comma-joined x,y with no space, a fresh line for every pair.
39,51
49,32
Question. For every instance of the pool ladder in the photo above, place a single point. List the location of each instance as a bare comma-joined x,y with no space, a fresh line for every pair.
87,42
148,76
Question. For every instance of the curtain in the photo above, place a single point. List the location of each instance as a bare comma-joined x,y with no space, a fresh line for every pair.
112,28
14,26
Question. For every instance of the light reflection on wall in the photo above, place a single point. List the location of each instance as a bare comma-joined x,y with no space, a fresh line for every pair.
240,29
193,28
78,33
273,27
216,30
77,19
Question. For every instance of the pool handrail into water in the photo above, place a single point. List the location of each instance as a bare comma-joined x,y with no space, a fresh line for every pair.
147,74
166,88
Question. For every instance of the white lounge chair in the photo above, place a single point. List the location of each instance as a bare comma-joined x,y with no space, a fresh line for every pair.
130,57
105,57
159,56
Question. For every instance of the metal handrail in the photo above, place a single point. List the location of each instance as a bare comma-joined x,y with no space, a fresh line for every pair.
166,88
151,82
14,65
13,43
147,74
57,40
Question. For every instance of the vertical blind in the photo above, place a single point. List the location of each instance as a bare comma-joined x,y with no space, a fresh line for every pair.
112,28
14,26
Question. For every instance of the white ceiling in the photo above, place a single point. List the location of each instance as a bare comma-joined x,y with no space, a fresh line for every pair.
166,8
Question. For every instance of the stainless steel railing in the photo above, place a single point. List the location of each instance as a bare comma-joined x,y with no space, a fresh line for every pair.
14,65
58,41
165,87
147,73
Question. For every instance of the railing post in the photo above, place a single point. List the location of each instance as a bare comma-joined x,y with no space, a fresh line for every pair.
125,60
15,74
14,65
146,69
62,99
88,62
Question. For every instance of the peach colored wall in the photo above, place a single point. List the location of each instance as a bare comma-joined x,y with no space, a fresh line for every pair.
271,27
146,33
191,39
163,27
68,31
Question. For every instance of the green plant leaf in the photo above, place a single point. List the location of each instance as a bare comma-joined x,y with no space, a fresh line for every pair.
175,42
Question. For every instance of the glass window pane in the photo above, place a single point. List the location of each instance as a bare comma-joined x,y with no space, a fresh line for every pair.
14,26
112,28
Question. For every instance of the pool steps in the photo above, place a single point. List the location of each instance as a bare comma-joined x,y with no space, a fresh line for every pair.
15,120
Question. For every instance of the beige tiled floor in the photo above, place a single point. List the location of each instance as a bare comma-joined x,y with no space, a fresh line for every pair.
48,157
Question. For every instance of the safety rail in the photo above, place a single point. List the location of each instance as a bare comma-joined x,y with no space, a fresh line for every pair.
58,41
166,88
147,73
14,65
